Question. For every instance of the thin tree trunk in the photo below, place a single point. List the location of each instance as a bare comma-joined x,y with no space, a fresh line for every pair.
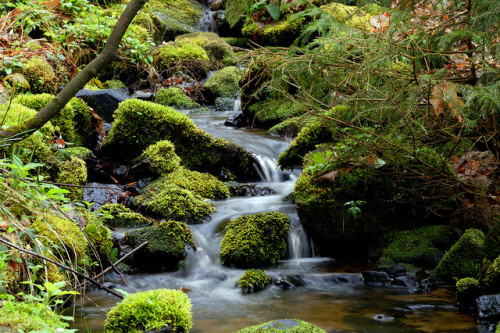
78,82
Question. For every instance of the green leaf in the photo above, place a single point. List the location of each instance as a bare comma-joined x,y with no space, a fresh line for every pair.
274,11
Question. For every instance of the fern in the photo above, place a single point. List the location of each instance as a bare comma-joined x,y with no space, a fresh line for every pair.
31,19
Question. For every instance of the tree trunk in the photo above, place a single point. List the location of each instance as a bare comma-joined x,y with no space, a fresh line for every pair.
78,82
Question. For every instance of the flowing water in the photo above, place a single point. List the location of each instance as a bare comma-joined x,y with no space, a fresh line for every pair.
329,294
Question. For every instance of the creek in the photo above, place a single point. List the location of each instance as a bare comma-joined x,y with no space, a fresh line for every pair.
328,293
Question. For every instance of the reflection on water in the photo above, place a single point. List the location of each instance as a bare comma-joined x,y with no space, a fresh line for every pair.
328,294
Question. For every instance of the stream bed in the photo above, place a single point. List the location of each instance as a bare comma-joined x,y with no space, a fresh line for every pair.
328,293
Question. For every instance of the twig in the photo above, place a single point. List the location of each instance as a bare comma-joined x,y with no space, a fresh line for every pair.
39,256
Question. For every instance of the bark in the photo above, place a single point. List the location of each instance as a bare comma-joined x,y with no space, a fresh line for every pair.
78,82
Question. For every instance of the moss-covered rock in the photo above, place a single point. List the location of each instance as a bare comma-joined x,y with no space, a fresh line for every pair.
113,84
151,311
236,11
463,259
491,280
236,41
217,49
29,317
224,83
182,56
172,202
272,111
166,248
253,280
281,33
117,215
202,184
283,326
423,246
41,76
139,124
162,157
255,240
73,172
175,98
467,290
80,152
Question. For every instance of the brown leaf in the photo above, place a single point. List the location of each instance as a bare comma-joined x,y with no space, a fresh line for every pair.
438,105
328,177
2,88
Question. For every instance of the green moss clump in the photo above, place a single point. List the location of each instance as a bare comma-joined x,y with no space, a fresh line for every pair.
175,98
283,326
255,240
374,9
253,280
288,128
235,41
150,311
351,16
80,152
162,156
117,215
28,317
468,290
182,56
236,12
281,33
463,259
172,202
422,246
491,280
73,172
271,112
217,49
62,236
167,243
224,83
139,124
41,76
184,11
202,184
114,84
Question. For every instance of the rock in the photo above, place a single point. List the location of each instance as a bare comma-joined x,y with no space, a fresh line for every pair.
117,215
253,280
104,101
284,283
405,282
216,4
176,98
221,23
248,190
237,120
375,278
488,307
163,330
224,83
383,318
284,325
145,96
390,267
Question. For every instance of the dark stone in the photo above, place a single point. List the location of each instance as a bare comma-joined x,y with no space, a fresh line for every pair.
383,318
488,307
376,278
104,101
284,283
390,267
238,120
344,278
248,190
405,282
121,171
427,285
146,96
163,330
216,4
221,24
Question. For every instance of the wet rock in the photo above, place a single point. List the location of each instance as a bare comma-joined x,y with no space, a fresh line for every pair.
163,330
405,282
390,267
104,101
146,96
216,4
121,171
221,24
101,194
488,307
248,190
284,283
375,278
383,318
427,285
237,120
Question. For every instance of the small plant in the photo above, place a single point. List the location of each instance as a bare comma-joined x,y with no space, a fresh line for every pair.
354,208
321,164
253,280
50,295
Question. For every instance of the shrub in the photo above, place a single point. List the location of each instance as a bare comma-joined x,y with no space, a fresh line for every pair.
150,310
253,280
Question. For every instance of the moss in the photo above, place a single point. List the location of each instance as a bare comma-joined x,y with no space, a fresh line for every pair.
182,56
235,41
175,98
167,243
271,112
374,9
150,311
73,172
253,280
162,156
117,215
28,317
491,280
40,76
255,240
288,128
350,15
183,11
283,326
493,241
467,290
62,236
224,83
114,84
173,202
98,234
80,152
498,328
280,33
463,259
202,184
217,49
422,246
139,124
236,12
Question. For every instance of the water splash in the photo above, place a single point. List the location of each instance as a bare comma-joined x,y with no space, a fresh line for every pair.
206,23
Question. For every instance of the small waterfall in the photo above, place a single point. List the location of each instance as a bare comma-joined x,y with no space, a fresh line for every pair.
267,169
298,242
237,104
206,23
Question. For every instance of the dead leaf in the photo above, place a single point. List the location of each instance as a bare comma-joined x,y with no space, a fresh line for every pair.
438,105
328,177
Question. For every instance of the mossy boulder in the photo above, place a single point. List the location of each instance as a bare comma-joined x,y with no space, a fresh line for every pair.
463,259
166,248
73,172
281,33
224,83
182,56
236,13
175,98
423,246
151,311
272,111
162,157
116,215
253,280
467,291
217,49
173,202
255,240
283,326
29,317
40,76
113,84
139,124
202,184
491,280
